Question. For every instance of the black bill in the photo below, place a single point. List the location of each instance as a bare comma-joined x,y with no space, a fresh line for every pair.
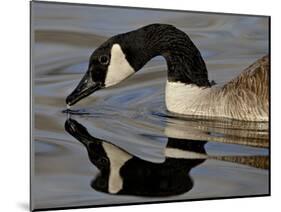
85,87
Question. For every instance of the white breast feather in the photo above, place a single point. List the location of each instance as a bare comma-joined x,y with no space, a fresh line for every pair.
185,98
215,102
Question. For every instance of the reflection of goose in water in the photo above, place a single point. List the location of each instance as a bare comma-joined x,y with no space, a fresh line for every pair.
228,131
124,173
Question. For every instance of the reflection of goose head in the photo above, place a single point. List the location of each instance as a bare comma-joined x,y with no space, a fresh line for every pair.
123,173
97,154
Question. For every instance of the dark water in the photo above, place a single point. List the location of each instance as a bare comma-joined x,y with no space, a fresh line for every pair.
221,158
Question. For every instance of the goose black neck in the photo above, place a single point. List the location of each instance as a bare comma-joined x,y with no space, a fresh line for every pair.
184,61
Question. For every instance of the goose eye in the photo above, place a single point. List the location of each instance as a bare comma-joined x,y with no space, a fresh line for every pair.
104,59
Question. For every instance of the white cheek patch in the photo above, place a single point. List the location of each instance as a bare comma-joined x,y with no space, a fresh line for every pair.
119,68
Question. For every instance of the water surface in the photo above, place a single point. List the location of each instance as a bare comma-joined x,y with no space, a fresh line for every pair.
233,159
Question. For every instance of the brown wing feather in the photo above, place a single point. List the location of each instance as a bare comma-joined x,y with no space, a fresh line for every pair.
254,78
248,93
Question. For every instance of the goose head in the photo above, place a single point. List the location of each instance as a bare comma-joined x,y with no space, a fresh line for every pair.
108,66
122,55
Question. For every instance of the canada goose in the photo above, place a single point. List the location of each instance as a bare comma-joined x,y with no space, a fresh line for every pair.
188,90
